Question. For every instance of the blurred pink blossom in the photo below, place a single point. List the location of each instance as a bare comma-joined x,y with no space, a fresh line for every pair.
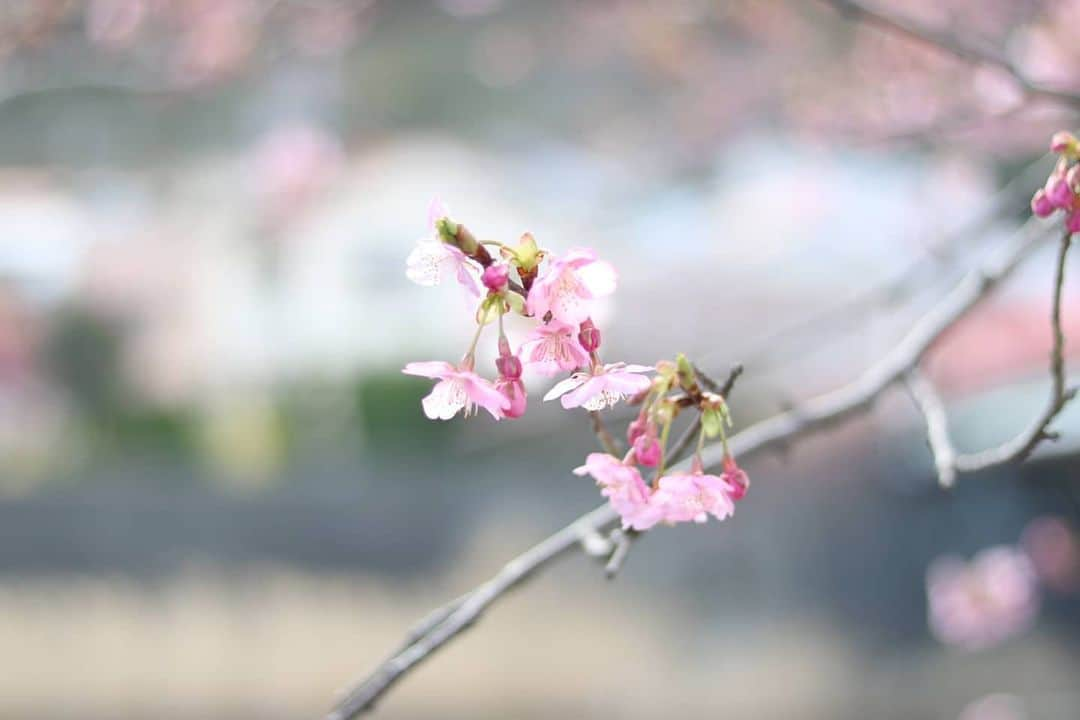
1054,551
292,165
978,604
114,24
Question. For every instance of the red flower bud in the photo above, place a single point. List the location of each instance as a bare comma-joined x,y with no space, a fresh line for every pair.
589,336
647,450
1041,205
496,277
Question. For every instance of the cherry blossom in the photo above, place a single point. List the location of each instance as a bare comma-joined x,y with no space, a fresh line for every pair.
432,259
683,497
569,284
458,389
553,348
624,488
605,386
1062,188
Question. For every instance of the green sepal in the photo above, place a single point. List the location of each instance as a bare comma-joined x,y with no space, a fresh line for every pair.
488,312
516,302
712,422
687,377
447,230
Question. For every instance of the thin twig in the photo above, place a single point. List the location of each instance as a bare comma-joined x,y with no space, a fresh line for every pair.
963,48
622,539
928,401
946,460
607,442
1021,446
816,414
690,434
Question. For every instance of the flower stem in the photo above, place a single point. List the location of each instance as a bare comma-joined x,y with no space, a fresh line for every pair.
663,449
469,360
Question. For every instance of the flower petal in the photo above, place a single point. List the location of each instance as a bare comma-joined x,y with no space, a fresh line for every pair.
425,264
446,399
627,383
598,277
436,211
467,279
564,386
432,369
589,389
484,394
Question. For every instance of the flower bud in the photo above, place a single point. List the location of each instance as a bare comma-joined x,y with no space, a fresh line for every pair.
514,391
589,337
1057,190
1063,142
509,367
496,277
1073,178
638,427
736,477
647,450
1041,205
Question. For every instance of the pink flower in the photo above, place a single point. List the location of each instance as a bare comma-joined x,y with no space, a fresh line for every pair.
554,348
514,391
979,604
509,382
693,496
457,389
736,478
624,488
432,259
647,450
569,284
604,387
589,337
1058,192
1041,204
495,277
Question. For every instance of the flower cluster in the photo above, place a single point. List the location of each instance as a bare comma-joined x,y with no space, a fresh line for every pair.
676,496
559,292
1062,189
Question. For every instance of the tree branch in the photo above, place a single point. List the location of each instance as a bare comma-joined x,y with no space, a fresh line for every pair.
690,434
947,461
963,48
611,447
816,414
929,403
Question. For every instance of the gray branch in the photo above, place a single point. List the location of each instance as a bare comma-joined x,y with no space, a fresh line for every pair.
947,461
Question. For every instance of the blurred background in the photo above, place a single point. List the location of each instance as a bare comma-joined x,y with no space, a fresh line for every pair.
219,497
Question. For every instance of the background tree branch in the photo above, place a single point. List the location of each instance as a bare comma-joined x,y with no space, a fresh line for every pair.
947,461
963,48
